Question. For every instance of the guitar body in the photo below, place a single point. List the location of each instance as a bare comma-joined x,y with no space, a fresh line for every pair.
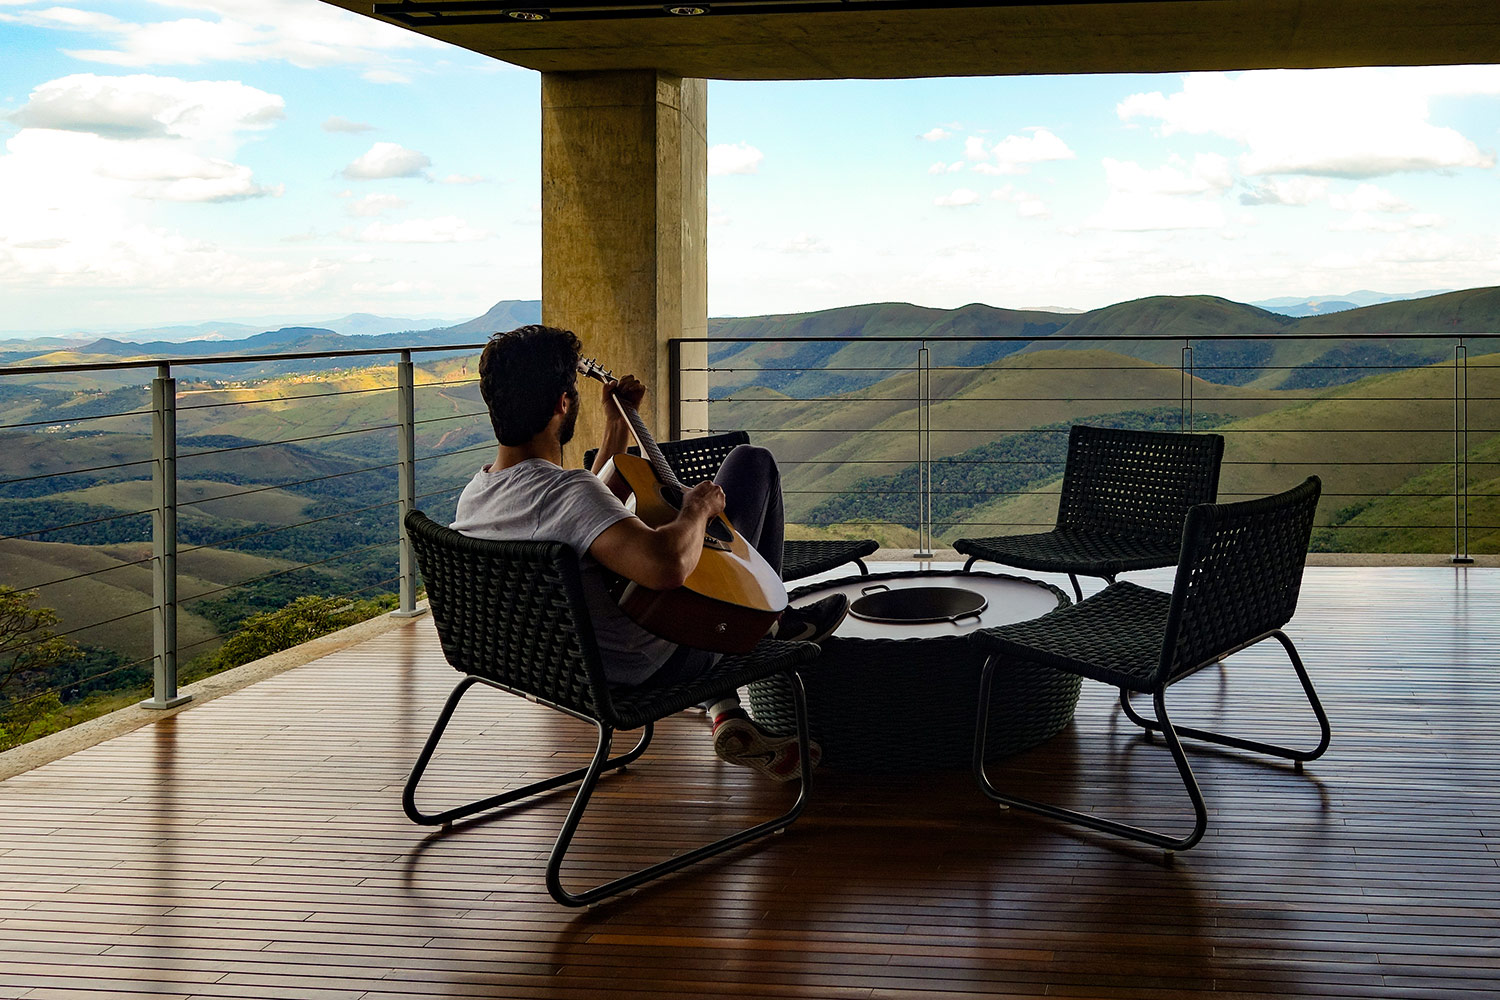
729,601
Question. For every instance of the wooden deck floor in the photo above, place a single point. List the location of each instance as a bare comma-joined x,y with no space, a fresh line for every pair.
255,846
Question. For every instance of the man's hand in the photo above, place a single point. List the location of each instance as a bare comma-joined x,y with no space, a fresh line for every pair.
617,433
705,500
660,558
629,390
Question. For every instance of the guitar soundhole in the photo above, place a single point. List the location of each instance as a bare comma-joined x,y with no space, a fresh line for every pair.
672,496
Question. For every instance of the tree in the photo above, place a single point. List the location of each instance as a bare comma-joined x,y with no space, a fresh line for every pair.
29,650
305,618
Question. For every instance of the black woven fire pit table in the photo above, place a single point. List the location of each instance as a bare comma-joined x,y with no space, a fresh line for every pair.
899,696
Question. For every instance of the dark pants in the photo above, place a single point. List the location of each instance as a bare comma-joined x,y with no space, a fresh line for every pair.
752,502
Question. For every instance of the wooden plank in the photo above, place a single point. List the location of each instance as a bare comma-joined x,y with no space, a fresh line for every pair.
254,847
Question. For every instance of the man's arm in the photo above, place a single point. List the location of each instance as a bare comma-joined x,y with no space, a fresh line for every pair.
617,434
660,558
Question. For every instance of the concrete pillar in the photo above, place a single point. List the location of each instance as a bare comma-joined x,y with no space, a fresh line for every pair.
624,225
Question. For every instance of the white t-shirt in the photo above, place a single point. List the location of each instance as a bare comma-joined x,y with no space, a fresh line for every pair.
535,500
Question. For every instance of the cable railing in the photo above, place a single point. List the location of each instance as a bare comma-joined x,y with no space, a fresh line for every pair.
215,498
922,441
246,492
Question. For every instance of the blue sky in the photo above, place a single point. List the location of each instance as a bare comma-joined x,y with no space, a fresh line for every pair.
215,159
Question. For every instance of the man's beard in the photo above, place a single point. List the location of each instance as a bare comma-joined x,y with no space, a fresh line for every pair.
565,432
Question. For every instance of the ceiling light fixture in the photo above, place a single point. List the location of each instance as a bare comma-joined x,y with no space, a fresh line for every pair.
458,13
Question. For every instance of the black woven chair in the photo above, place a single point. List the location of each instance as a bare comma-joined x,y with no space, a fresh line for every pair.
512,615
697,459
1124,495
1237,584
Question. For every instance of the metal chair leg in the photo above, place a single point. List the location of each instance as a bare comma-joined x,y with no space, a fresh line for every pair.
1200,810
1076,588
1271,749
863,569
971,562
409,793
625,882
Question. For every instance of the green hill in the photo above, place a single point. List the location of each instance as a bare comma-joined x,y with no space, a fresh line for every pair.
858,359
1383,447
827,445
1283,360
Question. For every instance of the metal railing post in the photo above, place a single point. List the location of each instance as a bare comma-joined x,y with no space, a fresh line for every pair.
1185,413
674,389
406,479
924,453
164,541
1461,454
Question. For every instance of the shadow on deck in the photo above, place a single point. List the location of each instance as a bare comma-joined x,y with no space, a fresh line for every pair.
255,846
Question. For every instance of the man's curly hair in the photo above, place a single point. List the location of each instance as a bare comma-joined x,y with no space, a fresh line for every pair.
521,374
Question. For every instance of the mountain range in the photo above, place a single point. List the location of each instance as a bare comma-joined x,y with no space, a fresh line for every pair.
1320,304
839,350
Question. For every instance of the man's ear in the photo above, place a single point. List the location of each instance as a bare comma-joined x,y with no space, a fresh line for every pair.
564,404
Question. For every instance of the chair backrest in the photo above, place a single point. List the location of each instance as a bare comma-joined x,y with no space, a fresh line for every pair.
1238,574
697,459
693,459
1137,482
513,613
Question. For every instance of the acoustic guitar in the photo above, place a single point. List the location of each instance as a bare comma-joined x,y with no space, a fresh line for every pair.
733,596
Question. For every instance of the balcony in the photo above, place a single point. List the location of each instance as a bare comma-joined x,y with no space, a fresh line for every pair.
254,845
251,843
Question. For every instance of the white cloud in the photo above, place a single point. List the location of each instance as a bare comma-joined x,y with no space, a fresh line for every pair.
736,158
1168,197
375,204
148,107
93,154
958,198
385,160
307,35
444,229
334,123
1368,222
935,134
946,168
1016,153
65,18
1355,123
384,76
148,137
802,243
1285,191
1208,173
1028,205
1369,198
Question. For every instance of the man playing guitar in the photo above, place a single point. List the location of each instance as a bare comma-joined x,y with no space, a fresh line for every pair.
528,379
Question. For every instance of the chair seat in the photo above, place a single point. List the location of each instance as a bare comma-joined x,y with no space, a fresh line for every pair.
636,706
1115,636
1071,550
805,558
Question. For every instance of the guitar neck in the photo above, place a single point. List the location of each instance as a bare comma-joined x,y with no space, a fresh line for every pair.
649,447
638,428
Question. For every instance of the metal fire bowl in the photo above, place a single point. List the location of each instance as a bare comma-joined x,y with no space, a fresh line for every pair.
918,605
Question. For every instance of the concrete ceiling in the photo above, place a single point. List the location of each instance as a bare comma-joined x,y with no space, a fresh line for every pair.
996,40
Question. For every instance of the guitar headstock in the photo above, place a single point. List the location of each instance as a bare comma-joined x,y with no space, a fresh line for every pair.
593,369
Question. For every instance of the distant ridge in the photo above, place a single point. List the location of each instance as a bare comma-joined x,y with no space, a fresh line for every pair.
1319,305
293,339
846,348
1283,361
